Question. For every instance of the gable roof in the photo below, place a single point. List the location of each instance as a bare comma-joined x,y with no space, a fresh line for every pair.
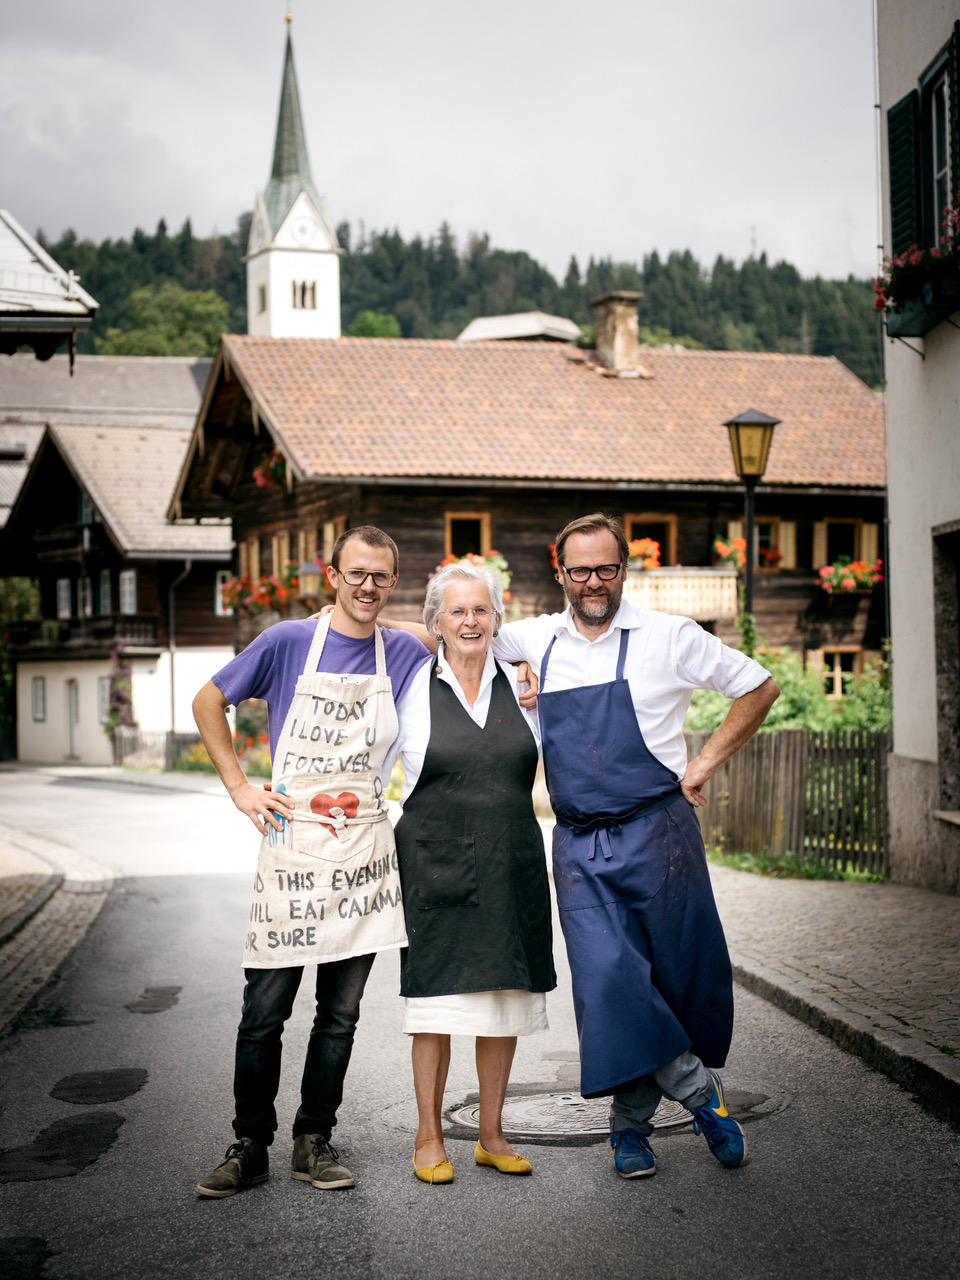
31,283
129,473
381,409
146,390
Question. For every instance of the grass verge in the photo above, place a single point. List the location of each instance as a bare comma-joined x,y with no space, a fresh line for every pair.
787,866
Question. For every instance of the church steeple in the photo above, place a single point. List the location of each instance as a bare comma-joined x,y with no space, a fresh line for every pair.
293,269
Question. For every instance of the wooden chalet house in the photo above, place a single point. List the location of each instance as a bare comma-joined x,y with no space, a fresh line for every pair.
89,524
456,447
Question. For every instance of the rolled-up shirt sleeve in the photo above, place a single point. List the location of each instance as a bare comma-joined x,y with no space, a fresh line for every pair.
701,661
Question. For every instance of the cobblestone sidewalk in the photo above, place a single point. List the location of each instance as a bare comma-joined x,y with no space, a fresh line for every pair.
875,966
49,896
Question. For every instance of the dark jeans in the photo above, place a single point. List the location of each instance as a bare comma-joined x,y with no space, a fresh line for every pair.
267,1003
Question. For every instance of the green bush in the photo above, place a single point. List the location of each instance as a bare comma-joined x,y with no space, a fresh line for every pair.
803,704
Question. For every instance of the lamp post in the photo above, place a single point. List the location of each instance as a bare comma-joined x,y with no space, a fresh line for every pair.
750,436
308,579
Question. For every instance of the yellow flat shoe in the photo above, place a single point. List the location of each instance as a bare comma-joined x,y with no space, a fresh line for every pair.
442,1171
504,1164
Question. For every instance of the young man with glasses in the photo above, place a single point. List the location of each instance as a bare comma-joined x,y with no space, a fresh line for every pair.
652,983
303,670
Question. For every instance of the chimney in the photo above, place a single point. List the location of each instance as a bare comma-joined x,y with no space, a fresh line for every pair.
615,319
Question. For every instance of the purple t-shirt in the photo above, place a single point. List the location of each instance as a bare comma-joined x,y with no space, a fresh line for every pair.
269,667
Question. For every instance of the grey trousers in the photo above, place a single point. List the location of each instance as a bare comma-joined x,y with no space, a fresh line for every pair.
683,1080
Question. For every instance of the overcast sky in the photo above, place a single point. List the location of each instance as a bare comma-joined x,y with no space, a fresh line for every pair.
609,127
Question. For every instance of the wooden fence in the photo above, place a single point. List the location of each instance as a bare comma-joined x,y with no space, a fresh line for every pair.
821,796
150,749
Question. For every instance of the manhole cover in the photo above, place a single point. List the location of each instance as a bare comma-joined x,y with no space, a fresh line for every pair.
560,1113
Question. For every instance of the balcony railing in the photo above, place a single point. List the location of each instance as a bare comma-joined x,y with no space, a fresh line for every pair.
102,631
708,595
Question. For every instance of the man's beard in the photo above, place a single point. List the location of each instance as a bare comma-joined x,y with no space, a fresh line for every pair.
603,607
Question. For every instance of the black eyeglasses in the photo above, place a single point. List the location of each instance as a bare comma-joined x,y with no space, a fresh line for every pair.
605,572
357,577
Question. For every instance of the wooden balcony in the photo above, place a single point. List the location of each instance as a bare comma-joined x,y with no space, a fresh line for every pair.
708,595
84,637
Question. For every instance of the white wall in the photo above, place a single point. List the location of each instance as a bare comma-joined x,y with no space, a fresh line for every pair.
923,416
48,742
276,269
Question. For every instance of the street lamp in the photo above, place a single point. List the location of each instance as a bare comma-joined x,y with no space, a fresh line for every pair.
308,579
750,436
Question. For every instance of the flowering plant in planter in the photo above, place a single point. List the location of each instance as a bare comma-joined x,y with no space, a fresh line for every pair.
494,560
257,595
846,575
271,471
770,557
923,273
120,712
644,553
730,551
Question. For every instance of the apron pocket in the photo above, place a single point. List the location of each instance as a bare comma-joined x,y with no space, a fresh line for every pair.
446,873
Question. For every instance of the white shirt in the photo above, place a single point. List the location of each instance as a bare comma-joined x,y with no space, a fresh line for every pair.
667,658
414,713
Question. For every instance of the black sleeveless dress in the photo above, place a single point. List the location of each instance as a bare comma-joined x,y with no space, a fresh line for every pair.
472,863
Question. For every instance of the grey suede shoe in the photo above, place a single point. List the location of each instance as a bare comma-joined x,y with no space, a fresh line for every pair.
316,1162
245,1165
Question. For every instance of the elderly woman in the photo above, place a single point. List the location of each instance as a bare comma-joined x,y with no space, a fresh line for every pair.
472,867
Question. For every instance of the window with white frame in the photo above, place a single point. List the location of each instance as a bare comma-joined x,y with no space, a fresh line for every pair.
103,699
85,511
106,591
261,299
221,610
38,698
923,148
64,601
85,598
128,591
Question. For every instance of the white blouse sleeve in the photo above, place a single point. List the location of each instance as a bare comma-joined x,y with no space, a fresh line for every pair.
414,716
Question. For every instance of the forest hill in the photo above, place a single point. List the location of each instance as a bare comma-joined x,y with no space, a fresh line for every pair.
435,287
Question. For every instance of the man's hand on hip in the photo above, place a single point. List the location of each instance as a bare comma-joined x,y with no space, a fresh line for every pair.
692,782
261,803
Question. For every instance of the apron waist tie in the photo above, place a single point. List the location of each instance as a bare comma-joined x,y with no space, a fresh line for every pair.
599,828
336,819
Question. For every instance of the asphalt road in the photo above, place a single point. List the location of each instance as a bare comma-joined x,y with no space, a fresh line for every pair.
848,1176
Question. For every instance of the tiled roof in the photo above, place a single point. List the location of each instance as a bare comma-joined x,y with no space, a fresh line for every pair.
13,473
380,407
148,390
129,473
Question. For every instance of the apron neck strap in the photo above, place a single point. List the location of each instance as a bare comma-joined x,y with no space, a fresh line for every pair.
312,665
621,656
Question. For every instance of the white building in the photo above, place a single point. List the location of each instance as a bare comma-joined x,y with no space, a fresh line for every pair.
293,258
919,50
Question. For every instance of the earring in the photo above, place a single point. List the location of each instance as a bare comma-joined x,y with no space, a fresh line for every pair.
496,633
437,635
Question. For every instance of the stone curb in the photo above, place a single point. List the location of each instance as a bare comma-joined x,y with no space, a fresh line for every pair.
932,1075
13,924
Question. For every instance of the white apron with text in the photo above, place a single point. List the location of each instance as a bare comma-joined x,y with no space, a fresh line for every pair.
327,884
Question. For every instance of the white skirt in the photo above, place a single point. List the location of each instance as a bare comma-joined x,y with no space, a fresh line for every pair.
477,1013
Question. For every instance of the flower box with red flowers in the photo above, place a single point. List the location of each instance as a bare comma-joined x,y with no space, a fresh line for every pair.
919,288
271,471
730,551
850,577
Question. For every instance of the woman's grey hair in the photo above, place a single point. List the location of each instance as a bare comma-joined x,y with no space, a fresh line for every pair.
437,586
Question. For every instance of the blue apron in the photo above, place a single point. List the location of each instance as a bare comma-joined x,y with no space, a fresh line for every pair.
651,974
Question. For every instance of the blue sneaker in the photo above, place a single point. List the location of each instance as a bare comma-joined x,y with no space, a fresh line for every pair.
724,1136
632,1154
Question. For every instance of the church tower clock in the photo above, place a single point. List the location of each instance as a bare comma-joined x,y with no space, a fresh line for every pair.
293,263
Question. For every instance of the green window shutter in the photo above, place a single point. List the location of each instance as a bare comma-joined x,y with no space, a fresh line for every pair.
903,139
